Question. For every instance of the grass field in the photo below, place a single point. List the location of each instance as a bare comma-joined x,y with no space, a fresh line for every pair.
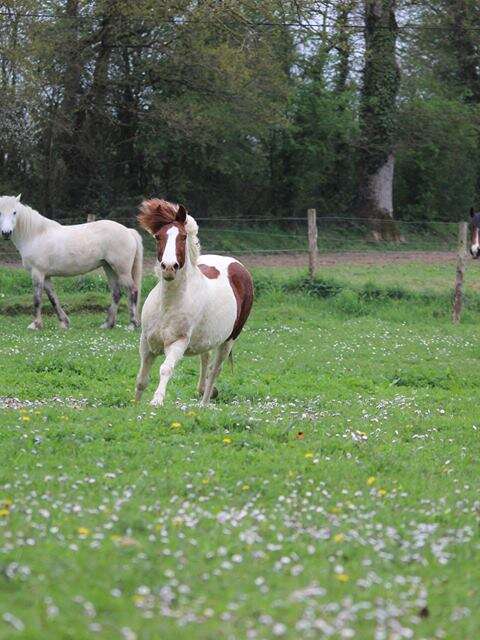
331,491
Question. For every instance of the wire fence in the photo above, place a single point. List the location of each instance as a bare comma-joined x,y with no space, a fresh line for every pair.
282,236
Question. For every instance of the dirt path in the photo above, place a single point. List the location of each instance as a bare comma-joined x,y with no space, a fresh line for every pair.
327,259
347,257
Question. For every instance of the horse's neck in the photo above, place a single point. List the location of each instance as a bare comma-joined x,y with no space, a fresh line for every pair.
172,293
29,224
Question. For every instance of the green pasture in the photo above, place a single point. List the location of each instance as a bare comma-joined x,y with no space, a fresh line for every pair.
332,490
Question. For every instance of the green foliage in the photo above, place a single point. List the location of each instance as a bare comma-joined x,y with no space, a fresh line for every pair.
438,161
319,149
237,108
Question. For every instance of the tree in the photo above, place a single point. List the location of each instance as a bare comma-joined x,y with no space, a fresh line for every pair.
378,110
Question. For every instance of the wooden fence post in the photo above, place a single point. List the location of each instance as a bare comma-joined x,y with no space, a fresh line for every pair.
461,262
91,217
312,242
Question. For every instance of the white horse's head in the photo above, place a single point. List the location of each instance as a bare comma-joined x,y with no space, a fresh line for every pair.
175,233
8,214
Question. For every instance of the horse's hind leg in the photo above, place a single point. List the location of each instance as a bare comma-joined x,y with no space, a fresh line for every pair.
114,284
38,281
222,353
146,361
205,360
52,296
127,281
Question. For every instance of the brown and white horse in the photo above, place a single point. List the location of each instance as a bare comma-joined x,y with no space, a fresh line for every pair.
199,305
475,244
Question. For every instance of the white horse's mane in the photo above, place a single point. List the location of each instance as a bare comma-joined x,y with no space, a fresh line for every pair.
193,243
29,219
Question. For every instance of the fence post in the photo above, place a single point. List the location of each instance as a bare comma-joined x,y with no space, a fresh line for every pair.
312,242
461,262
91,217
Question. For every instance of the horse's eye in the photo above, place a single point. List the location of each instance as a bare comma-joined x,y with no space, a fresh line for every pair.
14,213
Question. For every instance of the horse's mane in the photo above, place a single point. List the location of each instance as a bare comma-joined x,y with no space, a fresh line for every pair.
156,213
30,219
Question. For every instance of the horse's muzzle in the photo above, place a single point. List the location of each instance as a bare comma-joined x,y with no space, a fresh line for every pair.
169,271
6,234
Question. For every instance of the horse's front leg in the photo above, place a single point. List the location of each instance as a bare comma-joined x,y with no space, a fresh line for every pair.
52,296
173,353
38,281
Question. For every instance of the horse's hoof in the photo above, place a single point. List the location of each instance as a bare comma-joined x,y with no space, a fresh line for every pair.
106,325
212,396
132,327
156,402
35,326
64,325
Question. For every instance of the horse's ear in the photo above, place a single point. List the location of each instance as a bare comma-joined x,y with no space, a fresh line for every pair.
18,197
472,212
181,214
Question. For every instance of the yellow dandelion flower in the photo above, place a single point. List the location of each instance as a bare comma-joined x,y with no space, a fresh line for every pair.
83,531
205,480
4,513
339,537
382,492
309,455
371,480
227,440
191,414
245,487
7,502
26,418
336,510
343,577
176,425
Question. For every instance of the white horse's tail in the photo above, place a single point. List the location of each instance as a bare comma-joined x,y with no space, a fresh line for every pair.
137,267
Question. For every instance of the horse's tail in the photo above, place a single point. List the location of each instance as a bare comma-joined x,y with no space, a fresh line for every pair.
137,267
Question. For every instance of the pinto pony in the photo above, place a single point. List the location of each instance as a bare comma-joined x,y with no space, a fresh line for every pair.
199,305
51,249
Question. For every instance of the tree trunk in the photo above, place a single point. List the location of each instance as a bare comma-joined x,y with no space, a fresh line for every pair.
93,144
465,24
381,79
343,44
68,122
463,35
129,164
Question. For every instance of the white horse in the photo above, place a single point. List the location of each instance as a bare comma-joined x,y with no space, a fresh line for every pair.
200,303
51,249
